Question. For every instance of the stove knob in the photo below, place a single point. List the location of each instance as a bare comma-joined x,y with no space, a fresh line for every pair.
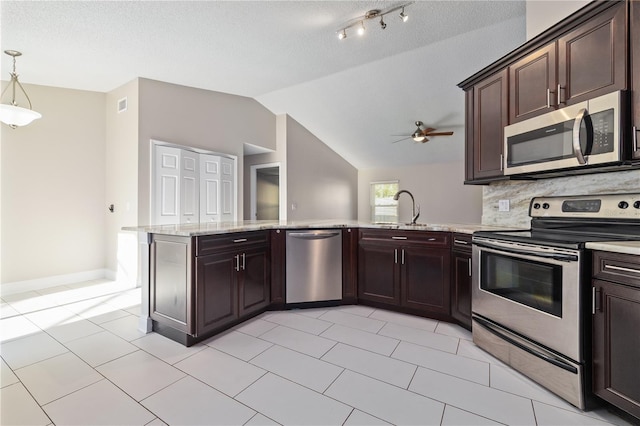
623,204
546,206
636,205
537,205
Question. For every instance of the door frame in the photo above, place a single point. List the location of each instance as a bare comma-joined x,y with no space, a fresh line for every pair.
253,173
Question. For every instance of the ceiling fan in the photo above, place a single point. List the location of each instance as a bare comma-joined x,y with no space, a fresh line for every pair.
423,133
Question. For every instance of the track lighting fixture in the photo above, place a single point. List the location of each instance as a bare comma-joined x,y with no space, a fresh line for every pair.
358,23
404,17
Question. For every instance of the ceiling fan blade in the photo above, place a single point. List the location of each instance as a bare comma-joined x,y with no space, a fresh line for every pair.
440,134
425,140
400,140
428,130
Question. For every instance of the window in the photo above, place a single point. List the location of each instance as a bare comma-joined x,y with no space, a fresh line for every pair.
383,207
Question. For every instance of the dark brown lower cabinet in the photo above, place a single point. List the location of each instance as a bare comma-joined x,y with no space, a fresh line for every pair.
461,271
349,265
408,269
216,292
616,339
231,284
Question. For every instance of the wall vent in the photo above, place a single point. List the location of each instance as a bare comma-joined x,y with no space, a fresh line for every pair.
122,105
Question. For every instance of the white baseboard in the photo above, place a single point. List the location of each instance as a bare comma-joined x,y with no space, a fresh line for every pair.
46,282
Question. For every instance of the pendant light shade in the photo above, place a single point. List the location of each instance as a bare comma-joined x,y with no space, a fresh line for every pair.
10,113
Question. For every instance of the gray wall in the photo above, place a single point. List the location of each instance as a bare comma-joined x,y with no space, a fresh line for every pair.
53,188
437,188
320,183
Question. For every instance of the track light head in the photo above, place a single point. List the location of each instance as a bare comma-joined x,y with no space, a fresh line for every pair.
361,29
404,17
383,25
342,34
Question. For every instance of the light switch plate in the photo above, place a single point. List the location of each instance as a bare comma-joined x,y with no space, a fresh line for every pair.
503,205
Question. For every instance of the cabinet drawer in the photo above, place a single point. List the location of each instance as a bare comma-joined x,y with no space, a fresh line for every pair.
616,267
211,244
426,238
461,242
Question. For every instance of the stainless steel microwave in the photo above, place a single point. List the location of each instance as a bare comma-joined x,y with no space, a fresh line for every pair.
587,133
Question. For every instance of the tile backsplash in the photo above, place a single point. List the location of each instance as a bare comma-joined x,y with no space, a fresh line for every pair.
519,194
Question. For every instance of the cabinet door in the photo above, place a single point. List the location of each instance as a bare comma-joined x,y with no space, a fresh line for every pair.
216,291
254,286
635,76
209,188
489,118
592,59
166,185
461,288
616,345
378,276
425,279
532,84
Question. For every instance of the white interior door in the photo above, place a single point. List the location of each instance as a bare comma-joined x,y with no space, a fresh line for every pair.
189,187
166,185
228,185
209,188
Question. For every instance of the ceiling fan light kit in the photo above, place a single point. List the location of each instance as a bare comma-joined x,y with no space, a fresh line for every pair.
422,133
10,113
372,14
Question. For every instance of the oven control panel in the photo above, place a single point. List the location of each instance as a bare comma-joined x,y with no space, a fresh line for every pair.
600,206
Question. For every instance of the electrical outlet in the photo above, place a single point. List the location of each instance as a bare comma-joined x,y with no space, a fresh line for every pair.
503,205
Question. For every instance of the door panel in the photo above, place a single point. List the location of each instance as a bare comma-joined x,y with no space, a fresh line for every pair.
166,175
425,279
254,287
216,291
189,189
377,273
210,188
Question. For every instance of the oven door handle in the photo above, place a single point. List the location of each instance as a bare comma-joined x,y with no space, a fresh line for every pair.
552,360
554,256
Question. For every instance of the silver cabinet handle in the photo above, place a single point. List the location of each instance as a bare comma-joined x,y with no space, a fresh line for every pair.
635,138
395,255
559,97
594,300
237,256
548,98
403,256
470,267
398,238
501,162
622,268
577,150
244,258
431,239
240,240
456,241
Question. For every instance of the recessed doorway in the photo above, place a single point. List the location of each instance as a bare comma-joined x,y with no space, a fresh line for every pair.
265,191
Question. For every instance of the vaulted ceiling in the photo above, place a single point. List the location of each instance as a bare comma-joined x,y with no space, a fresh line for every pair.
354,94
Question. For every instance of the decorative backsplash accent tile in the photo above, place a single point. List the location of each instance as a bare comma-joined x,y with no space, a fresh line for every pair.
519,194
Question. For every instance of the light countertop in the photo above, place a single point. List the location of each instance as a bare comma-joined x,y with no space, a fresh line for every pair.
197,229
625,247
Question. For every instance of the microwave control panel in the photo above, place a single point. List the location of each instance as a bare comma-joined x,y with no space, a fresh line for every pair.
603,139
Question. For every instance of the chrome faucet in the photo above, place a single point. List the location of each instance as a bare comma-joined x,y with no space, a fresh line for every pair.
415,214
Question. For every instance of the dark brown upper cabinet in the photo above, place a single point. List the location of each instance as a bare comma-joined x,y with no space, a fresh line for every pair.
592,59
533,84
489,118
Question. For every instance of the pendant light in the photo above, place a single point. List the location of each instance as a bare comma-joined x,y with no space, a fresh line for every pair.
10,113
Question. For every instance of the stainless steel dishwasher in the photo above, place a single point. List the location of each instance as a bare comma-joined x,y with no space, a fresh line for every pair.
314,265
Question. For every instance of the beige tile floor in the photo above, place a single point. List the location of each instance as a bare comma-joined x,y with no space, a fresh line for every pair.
72,355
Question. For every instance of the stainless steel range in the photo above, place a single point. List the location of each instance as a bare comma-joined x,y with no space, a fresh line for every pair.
531,289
